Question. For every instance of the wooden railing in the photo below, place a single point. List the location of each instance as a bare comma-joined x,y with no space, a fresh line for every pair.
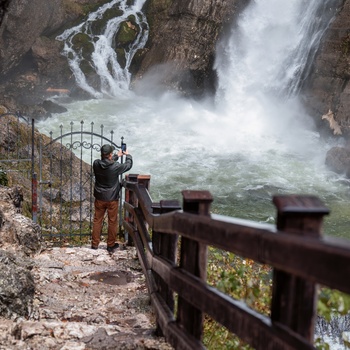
299,256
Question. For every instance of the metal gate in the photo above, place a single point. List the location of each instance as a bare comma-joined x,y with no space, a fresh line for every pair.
65,183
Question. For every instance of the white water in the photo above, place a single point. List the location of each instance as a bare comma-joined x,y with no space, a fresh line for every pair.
114,77
253,140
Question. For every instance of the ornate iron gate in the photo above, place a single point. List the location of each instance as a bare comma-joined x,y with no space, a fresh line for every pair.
65,196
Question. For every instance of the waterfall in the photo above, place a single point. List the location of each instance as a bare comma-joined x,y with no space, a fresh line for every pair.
261,65
269,50
98,52
272,46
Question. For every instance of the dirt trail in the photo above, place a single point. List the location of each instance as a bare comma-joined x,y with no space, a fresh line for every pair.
86,299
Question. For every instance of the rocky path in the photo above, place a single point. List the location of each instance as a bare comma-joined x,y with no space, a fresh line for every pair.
86,299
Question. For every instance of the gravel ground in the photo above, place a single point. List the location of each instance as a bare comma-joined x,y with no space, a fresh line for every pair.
86,299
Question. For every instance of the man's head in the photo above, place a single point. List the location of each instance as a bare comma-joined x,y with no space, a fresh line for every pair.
106,150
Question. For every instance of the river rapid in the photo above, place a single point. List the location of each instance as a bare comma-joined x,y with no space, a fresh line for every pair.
250,141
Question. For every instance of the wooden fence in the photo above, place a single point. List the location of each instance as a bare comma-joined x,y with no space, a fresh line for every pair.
299,256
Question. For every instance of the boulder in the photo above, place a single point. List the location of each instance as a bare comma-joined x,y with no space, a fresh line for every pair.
17,232
338,160
16,285
20,240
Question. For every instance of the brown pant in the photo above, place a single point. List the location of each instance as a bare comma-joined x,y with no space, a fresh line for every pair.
112,212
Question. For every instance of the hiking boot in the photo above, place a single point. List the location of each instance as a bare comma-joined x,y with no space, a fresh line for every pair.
113,248
92,247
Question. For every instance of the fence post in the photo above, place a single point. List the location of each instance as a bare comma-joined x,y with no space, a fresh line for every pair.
193,258
165,246
34,198
129,198
294,298
144,180
34,178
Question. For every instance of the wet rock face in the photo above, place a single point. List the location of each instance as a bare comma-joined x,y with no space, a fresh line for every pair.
183,33
19,31
328,87
30,57
26,21
183,36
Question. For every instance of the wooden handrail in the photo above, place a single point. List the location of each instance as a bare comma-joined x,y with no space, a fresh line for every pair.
301,258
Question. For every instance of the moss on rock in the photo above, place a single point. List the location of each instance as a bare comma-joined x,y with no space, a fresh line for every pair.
99,26
127,33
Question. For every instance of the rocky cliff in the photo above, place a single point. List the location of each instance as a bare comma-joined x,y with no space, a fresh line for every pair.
327,91
183,35
31,63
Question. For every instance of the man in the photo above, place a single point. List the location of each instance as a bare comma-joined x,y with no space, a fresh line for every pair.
106,193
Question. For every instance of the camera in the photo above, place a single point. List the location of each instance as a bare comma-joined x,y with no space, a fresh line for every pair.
123,147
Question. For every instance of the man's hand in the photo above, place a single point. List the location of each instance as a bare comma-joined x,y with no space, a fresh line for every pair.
121,153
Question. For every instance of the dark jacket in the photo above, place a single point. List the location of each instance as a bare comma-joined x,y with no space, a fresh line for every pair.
107,173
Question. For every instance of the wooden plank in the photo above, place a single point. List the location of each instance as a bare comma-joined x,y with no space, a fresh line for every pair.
177,337
181,340
292,204
163,314
252,327
325,261
165,245
308,258
144,180
131,199
294,298
163,268
145,204
193,258
143,229
140,249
